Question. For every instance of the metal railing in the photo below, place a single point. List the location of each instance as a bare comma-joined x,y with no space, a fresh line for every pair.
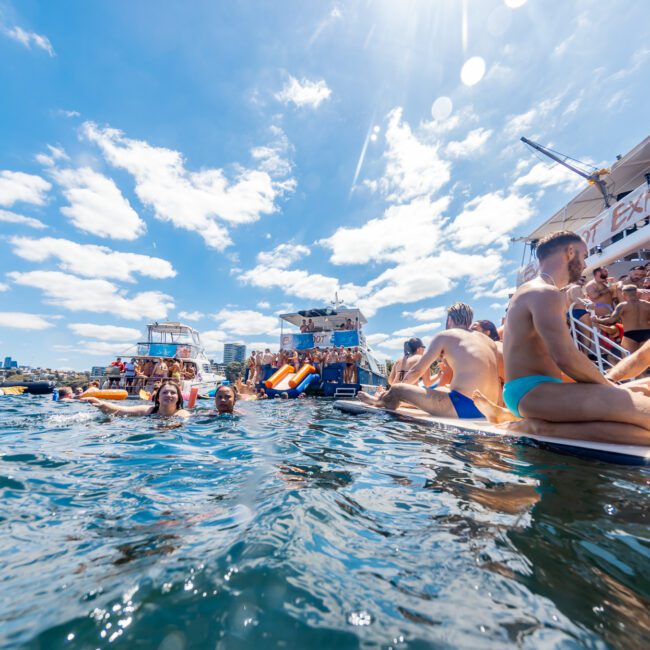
604,352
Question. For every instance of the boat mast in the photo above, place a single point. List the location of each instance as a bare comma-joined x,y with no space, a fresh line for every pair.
593,178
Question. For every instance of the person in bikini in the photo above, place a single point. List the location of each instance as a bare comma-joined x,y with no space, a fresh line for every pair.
538,350
601,292
413,351
634,314
472,357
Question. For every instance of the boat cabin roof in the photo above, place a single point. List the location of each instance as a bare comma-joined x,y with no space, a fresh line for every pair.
625,175
170,327
326,317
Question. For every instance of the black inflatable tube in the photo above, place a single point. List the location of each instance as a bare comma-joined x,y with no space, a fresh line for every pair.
33,387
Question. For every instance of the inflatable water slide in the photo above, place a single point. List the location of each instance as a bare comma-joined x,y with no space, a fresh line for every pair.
287,380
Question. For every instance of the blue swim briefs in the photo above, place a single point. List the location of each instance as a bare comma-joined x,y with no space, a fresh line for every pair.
515,390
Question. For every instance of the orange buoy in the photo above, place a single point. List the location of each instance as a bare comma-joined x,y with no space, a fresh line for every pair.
278,375
194,393
296,380
107,393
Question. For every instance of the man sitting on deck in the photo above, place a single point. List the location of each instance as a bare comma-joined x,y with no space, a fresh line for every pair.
538,349
472,357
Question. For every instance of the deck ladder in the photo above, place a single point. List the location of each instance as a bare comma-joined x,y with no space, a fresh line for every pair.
346,392
604,352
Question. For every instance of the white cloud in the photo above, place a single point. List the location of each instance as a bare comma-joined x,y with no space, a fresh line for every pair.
12,217
99,348
263,304
274,346
304,92
425,278
245,322
414,330
18,186
523,124
377,338
428,314
28,39
4,286
191,315
282,256
194,201
404,232
97,205
90,260
213,341
413,168
489,218
543,175
23,321
473,143
105,332
100,296
49,159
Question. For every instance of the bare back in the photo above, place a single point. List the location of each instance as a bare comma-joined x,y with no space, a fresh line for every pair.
473,358
635,315
524,352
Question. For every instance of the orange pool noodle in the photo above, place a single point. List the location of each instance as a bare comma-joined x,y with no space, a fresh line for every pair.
278,375
107,393
194,393
296,380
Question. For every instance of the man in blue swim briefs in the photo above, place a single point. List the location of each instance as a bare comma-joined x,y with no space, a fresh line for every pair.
473,359
538,351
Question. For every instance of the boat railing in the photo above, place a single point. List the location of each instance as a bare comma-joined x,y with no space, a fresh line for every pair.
604,352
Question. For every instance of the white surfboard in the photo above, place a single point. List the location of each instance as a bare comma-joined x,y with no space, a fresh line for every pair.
624,454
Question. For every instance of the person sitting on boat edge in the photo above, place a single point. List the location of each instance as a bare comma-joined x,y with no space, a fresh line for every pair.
538,349
167,401
473,359
413,351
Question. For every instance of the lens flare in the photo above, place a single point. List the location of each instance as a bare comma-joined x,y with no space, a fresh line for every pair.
472,71
441,108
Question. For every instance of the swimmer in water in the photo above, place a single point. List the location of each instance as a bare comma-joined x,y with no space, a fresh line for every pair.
225,399
167,401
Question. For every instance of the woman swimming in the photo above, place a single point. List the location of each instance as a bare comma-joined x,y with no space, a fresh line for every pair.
167,401
225,399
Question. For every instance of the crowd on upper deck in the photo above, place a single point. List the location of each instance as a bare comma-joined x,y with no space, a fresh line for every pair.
142,373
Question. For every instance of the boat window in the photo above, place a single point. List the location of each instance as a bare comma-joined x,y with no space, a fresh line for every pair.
206,367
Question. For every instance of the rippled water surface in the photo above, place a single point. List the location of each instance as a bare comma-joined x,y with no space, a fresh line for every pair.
296,526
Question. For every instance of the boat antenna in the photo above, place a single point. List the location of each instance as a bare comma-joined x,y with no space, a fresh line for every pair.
593,179
336,302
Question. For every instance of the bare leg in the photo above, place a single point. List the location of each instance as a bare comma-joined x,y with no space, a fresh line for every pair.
369,399
434,402
629,344
493,412
585,403
608,432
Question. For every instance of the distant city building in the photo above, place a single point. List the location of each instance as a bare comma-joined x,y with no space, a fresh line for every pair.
10,363
234,352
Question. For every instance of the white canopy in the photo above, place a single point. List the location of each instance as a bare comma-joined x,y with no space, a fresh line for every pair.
327,317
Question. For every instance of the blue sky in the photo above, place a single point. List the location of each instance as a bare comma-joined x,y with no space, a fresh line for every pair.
219,163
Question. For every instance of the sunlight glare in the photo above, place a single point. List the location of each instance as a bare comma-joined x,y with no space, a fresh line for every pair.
515,4
472,71
441,108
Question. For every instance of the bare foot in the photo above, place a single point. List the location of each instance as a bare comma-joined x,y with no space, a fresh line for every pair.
495,414
366,399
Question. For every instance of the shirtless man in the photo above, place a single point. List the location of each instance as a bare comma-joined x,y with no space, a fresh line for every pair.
538,349
601,292
634,314
472,357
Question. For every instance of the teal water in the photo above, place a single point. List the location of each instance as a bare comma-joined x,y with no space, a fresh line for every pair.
296,526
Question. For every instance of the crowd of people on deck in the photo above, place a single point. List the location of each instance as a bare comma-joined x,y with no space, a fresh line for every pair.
139,374
261,365
348,324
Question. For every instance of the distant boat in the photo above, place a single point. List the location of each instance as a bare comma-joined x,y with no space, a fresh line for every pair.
172,340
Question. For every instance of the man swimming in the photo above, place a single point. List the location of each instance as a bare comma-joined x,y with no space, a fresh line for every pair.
538,349
472,357
634,314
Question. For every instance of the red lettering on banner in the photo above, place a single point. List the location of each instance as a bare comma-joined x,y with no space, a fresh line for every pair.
616,224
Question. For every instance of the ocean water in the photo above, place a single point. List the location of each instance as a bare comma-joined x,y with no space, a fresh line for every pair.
296,526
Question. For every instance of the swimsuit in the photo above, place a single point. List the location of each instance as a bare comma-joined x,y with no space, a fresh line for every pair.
604,304
640,336
578,312
465,407
515,390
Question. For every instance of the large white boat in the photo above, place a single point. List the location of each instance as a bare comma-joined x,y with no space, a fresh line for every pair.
336,326
172,340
